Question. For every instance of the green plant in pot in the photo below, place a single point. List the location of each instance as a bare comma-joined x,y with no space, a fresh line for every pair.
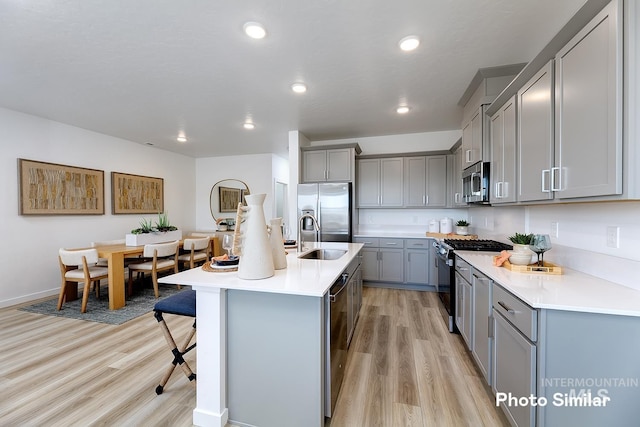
521,253
146,226
163,223
462,227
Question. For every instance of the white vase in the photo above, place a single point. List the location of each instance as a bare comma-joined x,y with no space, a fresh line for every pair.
521,255
277,244
462,230
256,256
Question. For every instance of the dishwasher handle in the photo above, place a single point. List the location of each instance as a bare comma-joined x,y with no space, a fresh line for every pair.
334,296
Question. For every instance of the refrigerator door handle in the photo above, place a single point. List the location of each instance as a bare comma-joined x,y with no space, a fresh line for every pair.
319,233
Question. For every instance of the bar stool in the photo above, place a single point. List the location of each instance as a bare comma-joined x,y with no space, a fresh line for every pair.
181,304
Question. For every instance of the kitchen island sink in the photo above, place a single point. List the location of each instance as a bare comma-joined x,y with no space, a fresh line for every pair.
323,254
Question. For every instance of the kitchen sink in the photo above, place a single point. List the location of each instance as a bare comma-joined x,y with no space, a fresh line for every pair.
324,254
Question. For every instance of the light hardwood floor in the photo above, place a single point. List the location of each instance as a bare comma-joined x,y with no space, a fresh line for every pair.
404,369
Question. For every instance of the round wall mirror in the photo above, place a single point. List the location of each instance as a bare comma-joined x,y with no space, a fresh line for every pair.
223,201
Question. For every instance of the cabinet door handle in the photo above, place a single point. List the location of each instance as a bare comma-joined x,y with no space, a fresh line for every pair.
506,307
468,156
553,179
456,198
423,200
490,326
544,172
427,201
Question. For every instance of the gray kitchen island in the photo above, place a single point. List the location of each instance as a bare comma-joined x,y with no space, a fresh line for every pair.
262,344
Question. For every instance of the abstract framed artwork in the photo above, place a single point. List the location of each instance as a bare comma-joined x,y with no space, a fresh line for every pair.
229,198
54,189
135,194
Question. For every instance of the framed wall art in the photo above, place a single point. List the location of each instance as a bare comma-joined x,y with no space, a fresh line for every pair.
229,199
135,194
53,189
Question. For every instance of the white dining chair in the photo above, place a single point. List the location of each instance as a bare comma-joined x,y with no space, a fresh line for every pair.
160,257
194,250
79,266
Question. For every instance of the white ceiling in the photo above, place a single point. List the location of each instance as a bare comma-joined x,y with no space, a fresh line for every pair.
145,70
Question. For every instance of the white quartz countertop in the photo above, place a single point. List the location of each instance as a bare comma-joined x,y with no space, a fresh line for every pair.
301,277
571,291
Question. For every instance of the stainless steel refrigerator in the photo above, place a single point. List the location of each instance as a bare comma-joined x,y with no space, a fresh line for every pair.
331,204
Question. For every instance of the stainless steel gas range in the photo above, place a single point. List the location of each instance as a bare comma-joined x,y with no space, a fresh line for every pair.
446,270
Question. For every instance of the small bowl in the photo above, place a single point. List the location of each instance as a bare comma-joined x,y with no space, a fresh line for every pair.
231,261
520,259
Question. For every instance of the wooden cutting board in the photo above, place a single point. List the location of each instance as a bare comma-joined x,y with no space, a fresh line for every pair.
452,236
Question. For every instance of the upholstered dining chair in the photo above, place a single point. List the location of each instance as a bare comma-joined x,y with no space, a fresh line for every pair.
160,257
195,250
79,266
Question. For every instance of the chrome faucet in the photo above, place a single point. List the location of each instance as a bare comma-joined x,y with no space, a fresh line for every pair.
316,226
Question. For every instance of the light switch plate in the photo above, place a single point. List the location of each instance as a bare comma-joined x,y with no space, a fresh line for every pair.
554,229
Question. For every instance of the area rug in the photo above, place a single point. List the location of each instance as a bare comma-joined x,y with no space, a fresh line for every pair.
141,302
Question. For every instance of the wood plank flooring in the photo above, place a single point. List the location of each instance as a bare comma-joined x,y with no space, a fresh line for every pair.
404,369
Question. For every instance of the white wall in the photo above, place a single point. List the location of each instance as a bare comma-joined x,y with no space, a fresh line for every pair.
256,170
29,257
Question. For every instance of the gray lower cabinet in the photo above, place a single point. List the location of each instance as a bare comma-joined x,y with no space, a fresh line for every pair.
515,370
417,261
464,309
482,318
382,259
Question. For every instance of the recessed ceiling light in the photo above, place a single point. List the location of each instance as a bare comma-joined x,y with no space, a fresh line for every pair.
181,138
299,87
409,43
249,125
403,109
254,30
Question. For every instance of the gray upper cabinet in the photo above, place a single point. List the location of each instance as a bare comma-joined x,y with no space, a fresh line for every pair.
327,165
503,149
380,182
588,125
456,179
535,136
474,133
425,181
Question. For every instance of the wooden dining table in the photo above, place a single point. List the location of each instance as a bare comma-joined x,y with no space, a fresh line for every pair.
115,255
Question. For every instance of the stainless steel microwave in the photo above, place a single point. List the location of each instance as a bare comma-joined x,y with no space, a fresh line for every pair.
475,183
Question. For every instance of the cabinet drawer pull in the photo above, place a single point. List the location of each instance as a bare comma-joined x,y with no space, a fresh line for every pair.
506,307
391,243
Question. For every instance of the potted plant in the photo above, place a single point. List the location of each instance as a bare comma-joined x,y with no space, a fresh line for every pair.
146,233
462,227
521,252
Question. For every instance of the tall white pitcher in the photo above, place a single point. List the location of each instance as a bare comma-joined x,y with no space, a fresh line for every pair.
277,244
251,240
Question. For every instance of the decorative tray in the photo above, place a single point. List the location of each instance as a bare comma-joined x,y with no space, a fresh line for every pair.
547,268
233,260
213,268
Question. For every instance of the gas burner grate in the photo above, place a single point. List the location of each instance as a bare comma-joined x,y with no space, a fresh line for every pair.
477,245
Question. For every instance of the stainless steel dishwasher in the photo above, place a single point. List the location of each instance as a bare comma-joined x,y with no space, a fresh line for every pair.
337,308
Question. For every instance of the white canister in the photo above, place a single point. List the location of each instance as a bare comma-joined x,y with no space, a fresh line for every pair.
446,226
434,226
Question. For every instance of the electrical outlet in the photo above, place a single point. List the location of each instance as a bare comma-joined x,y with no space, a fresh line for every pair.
554,229
613,236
